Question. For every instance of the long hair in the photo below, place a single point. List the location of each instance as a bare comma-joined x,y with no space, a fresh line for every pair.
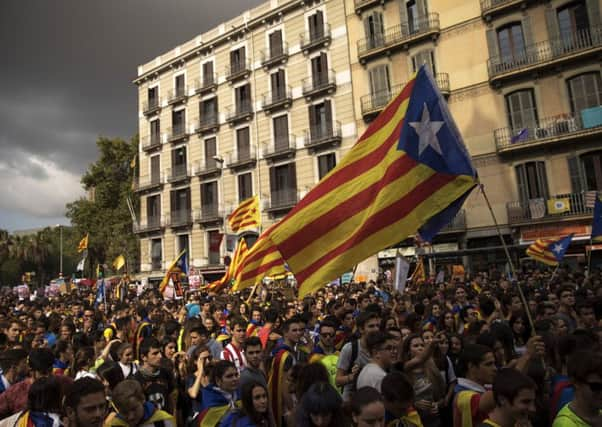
45,395
84,358
248,408
321,398
110,372
430,369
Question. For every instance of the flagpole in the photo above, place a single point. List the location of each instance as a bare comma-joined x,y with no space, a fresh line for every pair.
553,275
507,252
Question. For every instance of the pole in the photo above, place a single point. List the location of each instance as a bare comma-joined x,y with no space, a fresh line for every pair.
553,275
507,252
61,251
589,258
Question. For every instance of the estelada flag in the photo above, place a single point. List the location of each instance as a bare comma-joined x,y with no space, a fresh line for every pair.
83,244
597,221
409,172
246,216
550,252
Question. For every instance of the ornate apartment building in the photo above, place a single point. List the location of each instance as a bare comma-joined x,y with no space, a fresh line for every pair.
268,102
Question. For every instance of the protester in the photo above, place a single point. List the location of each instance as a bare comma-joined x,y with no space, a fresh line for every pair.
367,408
85,403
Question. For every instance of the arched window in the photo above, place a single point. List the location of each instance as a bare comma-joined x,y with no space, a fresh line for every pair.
521,109
585,91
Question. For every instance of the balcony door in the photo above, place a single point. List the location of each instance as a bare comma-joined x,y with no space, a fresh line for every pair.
180,204
380,87
522,111
281,138
243,98
277,85
573,25
511,42
237,60
209,198
153,210
276,44
178,161
156,254
243,144
283,184
316,25
375,30
210,153
532,181
320,120
585,91
319,70
155,169
592,168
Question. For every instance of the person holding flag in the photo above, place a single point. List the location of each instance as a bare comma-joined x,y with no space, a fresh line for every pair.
177,267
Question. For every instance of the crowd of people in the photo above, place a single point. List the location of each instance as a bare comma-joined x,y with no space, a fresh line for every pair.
463,352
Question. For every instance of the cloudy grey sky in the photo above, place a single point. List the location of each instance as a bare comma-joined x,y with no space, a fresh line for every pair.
66,68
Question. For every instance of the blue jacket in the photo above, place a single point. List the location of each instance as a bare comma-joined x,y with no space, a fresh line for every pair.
237,419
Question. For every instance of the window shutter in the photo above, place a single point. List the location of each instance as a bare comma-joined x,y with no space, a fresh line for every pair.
188,205
292,177
492,46
328,114
521,181
422,11
593,13
323,68
173,200
368,31
273,182
276,43
319,23
403,17
553,30
542,180
527,32
577,175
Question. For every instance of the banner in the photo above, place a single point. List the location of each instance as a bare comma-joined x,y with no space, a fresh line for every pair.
402,268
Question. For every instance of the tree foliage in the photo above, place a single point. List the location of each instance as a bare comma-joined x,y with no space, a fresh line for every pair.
105,216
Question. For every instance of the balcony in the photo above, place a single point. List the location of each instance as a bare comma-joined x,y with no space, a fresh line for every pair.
238,70
282,148
208,123
210,215
361,5
207,169
457,224
315,39
149,224
177,133
546,55
177,95
536,210
323,137
178,174
277,100
275,55
492,8
559,129
205,85
400,36
180,218
281,200
147,183
243,111
242,158
150,142
372,104
319,85
151,106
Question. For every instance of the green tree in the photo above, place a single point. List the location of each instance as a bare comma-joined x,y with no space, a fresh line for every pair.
105,216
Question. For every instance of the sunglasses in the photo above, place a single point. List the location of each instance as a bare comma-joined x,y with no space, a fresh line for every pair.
327,335
595,387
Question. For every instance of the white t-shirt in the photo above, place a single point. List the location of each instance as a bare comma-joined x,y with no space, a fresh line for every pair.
371,375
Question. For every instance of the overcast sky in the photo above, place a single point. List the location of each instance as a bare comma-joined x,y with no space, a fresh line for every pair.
66,68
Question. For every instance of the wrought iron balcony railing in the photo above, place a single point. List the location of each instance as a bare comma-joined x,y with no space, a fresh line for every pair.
177,133
282,146
206,84
151,106
536,210
275,55
286,198
150,142
280,98
319,83
176,95
241,111
315,38
328,134
207,123
236,70
179,218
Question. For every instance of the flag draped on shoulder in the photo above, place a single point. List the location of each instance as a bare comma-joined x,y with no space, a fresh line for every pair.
550,252
409,172
83,244
239,253
246,216
597,222
169,271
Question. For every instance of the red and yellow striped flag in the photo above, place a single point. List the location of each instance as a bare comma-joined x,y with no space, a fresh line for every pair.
246,215
408,171
239,253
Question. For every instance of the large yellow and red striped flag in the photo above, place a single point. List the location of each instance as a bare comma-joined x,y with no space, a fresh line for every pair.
245,216
239,253
408,172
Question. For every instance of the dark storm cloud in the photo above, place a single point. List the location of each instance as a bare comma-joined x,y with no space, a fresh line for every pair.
66,70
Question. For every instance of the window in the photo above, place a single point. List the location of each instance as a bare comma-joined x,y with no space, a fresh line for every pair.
208,74
210,153
155,169
242,96
592,170
245,186
178,162
426,57
521,109
153,210
573,21
155,131
178,122
283,185
278,85
319,70
153,97
380,88
532,181
281,138
209,198
511,42
326,162
237,60
320,120
156,254
316,26
276,44
180,205
183,244
374,28
208,110
180,85
243,144
585,91
214,241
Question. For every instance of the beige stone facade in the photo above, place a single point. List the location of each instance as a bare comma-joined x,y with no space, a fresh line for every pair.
522,79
